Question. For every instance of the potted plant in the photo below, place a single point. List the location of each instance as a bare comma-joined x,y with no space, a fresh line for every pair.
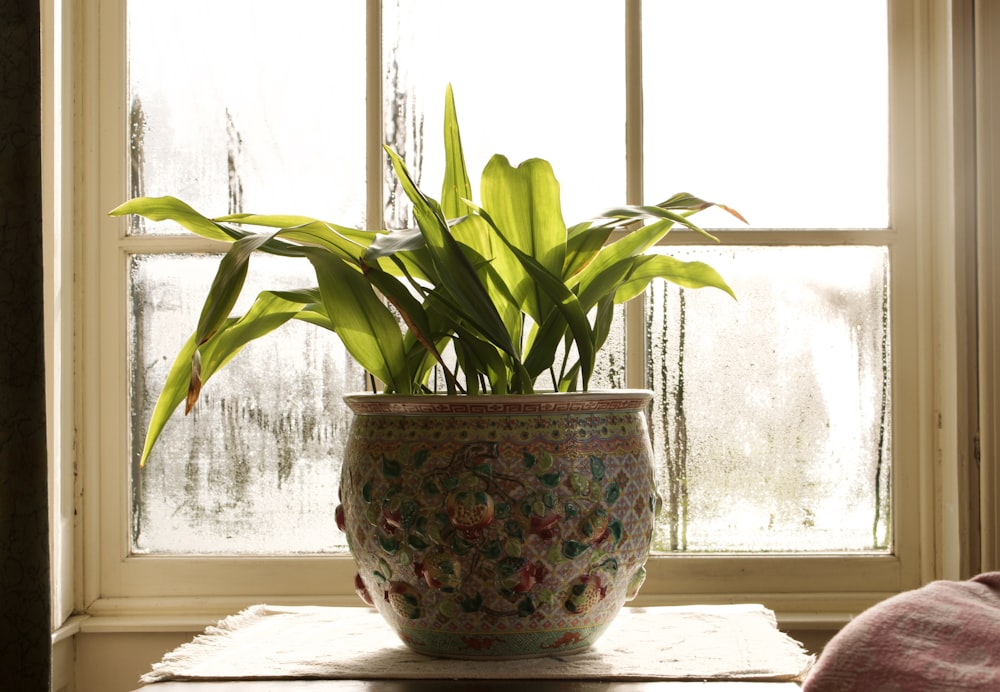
489,520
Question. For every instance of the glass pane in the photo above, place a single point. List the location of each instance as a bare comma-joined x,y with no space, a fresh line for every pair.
531,79
247,109
773,412
255,467
778,108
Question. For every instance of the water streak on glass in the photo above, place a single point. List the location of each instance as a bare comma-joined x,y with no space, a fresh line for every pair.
254,468
772,414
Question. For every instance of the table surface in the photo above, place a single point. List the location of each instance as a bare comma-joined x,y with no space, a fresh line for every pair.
477,685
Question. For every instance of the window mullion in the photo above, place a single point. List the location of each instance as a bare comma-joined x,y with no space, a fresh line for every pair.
635,337
373,114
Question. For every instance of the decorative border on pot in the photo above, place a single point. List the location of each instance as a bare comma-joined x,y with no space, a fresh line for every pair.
547,402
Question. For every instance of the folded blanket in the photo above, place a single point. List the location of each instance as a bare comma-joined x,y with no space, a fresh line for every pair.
943,636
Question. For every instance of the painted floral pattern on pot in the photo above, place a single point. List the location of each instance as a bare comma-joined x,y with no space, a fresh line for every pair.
498,526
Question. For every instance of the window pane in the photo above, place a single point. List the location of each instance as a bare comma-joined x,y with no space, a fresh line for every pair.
775,107
247,109
531,79
773,412
255,467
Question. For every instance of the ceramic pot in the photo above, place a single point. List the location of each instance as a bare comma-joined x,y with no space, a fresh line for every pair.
499,526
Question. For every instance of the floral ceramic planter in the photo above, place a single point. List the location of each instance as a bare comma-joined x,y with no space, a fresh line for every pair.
499,526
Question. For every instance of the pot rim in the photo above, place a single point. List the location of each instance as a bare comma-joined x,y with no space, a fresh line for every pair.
478,404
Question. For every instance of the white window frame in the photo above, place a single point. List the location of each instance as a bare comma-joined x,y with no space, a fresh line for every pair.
933,379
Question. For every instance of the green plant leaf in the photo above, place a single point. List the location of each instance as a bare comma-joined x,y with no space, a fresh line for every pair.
566,304
366,327
524,207
456,276
456,187
583,242
169,208
686,274
267,313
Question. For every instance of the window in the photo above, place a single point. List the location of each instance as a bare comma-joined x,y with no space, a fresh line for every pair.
627,99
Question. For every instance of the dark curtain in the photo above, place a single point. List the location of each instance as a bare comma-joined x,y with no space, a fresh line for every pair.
25,629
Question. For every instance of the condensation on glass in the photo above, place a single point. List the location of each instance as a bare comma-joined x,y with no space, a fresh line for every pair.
772,413
254,468
256,107
773,416
778,108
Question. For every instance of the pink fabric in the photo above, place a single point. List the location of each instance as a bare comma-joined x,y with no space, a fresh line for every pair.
943,636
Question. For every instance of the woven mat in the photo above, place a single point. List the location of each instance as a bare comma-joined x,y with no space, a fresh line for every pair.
729,642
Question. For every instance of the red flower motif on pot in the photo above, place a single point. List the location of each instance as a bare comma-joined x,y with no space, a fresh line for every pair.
585,592
404,599
470,511
545,527
440,569
362,590
530,574
594,527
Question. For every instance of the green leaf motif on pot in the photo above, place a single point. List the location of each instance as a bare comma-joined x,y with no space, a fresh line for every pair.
513,529
420,458
459,545
544,461
512,548
472,603
581,486
526,607
391,468
389,544
612,494
610,565
448,608
574,549
501,510
493,550
430,487
596,468
617,530
416,542
550,480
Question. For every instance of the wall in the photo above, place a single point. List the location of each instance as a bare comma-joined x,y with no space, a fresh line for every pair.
113,662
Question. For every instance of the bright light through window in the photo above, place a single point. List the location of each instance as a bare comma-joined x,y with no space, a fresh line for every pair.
773,412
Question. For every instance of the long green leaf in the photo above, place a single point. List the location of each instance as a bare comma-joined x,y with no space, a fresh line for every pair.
364,324
583,242
453,271
456,186
686,274
562,298
523,203
630,245
413,313
268,312
169,208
